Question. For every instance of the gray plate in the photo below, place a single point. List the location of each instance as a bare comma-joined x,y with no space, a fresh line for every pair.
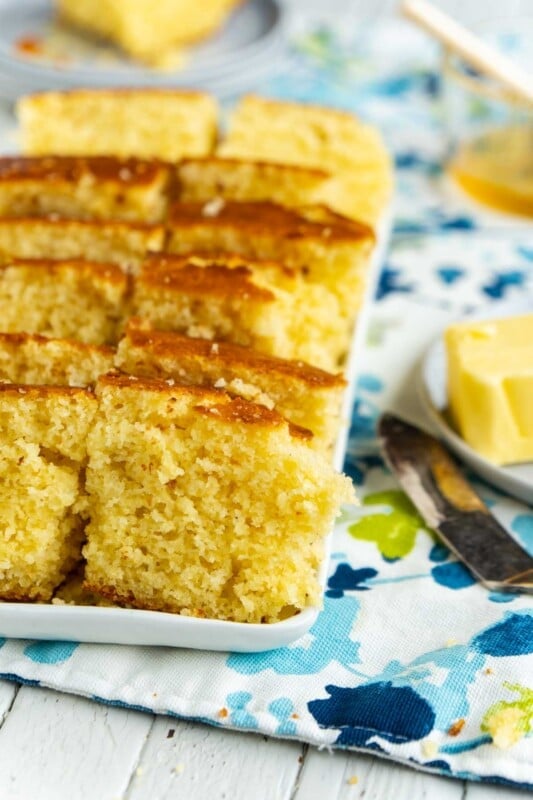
242,54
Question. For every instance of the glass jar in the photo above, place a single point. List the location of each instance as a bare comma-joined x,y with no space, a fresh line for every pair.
490,132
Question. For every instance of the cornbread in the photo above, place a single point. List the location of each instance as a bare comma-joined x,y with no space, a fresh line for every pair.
144,29
490,386
43,431
122,243
98,187
27,358
148,123
306,396
201,179
79,300
313,136
204,505
324,247
253,303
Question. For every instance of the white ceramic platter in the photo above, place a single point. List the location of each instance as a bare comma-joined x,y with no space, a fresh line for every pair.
238,56
132,626
516,479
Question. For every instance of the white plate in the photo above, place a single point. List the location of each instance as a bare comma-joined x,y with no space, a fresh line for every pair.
517,479
242,53
133,626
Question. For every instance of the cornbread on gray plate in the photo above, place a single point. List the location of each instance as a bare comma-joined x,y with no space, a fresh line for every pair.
204,505
326,248
314,136
158,123
254,303
33,359
305,395
75,187
201,179
122,243
144,29
43,506
74,299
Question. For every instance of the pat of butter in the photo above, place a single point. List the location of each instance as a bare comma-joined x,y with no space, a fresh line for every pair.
490,386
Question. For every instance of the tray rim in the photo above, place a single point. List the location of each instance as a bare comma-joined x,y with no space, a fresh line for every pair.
124,626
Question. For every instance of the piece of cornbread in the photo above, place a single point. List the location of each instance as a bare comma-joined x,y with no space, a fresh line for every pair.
98,187
254,303
149,123
490,386
33,359
314,136
326,248
43,431
306,396
144,29
122,243
202,179
204,505
79,300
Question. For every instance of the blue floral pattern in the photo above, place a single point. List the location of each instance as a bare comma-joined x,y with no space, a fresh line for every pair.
410,656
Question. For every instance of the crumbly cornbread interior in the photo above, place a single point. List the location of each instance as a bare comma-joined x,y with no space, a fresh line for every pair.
190,497
190,469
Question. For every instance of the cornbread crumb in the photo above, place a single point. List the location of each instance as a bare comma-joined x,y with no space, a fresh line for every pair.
352,780
306,396
223,507
147,123
316,137
429,748
26,358
43,431
248,302
148,31
63,299
456,728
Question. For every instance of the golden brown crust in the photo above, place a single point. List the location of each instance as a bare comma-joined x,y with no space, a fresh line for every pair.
226,408
19,339
72,169
164,343
36,391
270,166
108,272
120,91
202,276
310,222
248,413
56,222
346,116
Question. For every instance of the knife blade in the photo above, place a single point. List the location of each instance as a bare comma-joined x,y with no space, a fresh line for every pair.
450,506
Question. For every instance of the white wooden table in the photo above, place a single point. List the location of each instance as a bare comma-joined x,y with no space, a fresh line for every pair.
60,747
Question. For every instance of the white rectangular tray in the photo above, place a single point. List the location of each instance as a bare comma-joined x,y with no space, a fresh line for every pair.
133,626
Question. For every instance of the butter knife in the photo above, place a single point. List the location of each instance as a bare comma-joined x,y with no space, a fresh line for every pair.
449,506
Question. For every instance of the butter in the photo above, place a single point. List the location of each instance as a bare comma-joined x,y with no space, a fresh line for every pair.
490,386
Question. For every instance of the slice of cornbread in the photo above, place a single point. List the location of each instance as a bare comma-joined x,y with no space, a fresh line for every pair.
201,179
324,247
33,359
145,29
43,430
254,303
490,386
306,396
204,505
79,300
149,123
122,243
313,136
98,187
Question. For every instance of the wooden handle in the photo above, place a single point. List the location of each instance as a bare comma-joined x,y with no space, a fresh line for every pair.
476,52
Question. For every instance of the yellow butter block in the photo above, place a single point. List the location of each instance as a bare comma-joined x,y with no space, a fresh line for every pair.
490,386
